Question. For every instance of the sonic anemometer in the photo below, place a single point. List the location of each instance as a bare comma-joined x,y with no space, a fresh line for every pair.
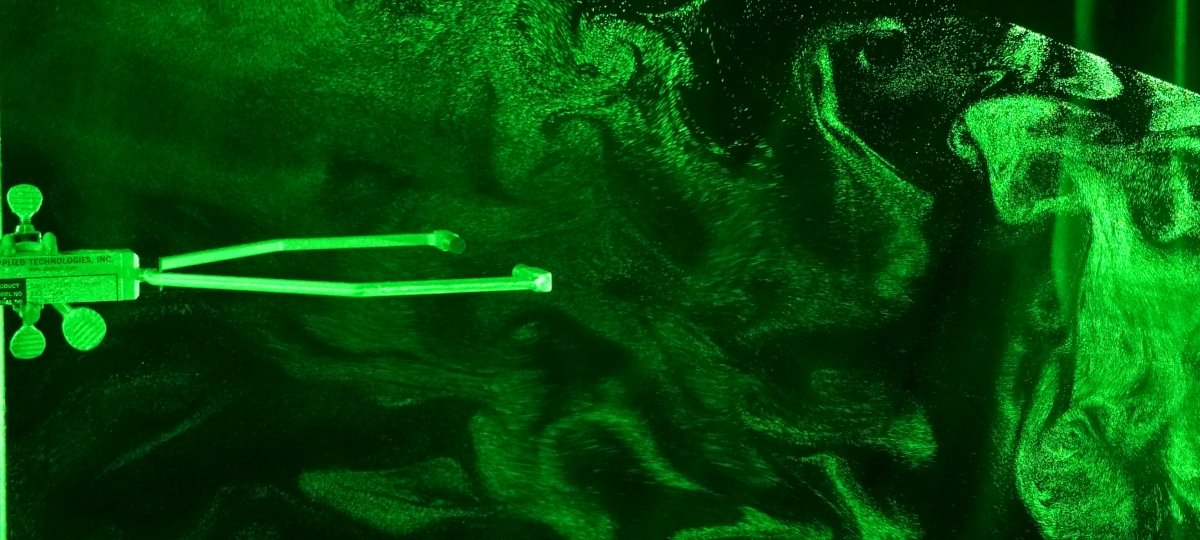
34,274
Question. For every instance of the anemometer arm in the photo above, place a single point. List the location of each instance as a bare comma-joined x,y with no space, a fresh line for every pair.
524,278
443,240
33,273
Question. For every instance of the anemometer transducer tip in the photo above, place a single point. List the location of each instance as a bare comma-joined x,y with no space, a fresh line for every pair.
33,274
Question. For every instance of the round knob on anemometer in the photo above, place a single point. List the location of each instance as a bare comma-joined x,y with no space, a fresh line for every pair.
83,328
24,200
27,342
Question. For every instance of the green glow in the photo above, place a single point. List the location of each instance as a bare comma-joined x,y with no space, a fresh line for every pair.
3,385
443,240
869,521
1126,291
1171,106
1181,23
1085,17
755,524
24,200
1019,197
394,500
524,278
850,323
1025,51
35,274
83,328
27,342
1093,78
866,179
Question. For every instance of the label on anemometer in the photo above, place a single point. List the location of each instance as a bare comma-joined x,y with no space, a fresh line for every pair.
81,276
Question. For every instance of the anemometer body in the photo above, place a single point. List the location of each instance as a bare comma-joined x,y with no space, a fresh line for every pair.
34,274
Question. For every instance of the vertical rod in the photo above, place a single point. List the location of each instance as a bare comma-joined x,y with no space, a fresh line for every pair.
3,396
1069,231
1085,18
1181,20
